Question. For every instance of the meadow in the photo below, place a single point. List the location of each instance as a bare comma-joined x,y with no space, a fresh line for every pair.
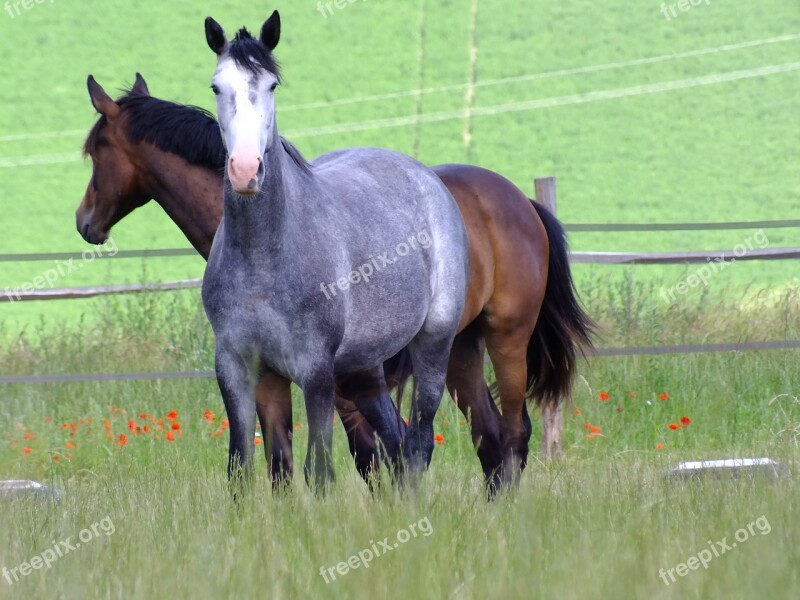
149,457
642,119
553,90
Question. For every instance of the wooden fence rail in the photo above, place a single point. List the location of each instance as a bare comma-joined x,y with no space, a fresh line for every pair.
545,193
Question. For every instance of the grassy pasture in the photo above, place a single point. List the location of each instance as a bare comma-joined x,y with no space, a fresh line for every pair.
601,523
708,152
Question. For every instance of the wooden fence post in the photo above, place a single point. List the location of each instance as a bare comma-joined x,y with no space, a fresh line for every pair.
552,419
546,192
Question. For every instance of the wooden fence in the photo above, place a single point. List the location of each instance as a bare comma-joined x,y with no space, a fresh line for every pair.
545,194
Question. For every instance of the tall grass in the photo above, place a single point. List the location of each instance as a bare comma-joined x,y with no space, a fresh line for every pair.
600,523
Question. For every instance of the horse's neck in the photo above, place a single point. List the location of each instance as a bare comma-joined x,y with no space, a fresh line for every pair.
263,223
191,195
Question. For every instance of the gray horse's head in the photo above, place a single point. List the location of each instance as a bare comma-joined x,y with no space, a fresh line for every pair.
244,84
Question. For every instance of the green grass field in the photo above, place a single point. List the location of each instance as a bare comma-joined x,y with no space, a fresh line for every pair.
709,152
570,90
600,523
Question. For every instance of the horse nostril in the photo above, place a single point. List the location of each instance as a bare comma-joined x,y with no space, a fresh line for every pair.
85,230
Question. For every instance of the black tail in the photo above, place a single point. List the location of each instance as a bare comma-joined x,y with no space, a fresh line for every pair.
563,329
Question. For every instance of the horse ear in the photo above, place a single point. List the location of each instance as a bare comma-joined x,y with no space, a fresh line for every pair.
215,36
271,31
140,86
101,101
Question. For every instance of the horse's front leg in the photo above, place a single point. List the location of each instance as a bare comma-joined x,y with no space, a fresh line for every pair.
274,406
360,437
236,383
320,394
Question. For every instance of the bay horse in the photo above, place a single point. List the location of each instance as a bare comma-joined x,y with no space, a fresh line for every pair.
272,307
146,148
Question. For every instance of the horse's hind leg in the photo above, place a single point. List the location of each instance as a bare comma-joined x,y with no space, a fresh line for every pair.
467,386
430,352
274,406
508,352
371,397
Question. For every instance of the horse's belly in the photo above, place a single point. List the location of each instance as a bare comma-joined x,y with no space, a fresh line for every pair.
370,341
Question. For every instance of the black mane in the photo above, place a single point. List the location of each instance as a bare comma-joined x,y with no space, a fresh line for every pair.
187,131
250,53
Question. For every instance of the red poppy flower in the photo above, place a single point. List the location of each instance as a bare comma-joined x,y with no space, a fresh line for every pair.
659,446
603,396
439,438
26,450
596,429
132,425
587,426
578,411
123,440
686,421
172,415
170,437
674,426
176,426
209,416
258,441
663,396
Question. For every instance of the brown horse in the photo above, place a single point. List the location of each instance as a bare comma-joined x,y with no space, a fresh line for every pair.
521,306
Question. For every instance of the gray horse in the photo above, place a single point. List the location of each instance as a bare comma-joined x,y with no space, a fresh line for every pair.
322,268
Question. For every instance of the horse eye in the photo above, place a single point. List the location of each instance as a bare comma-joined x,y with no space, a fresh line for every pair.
274,87
215,89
